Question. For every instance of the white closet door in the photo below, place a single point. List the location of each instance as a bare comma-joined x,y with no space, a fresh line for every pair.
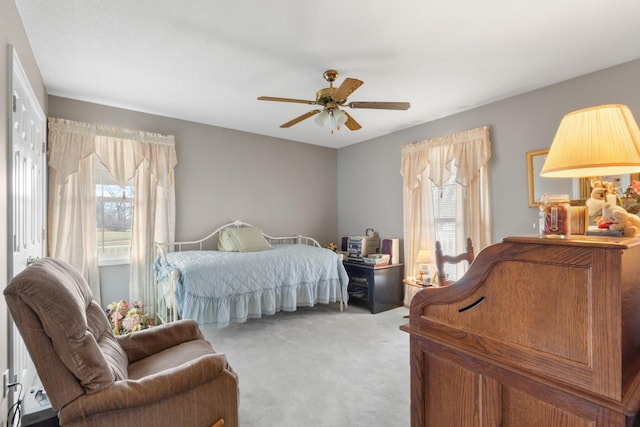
27,175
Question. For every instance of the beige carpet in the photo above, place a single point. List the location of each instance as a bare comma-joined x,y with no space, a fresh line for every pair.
318,367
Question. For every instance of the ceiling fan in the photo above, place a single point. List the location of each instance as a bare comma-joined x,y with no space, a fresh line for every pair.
331,99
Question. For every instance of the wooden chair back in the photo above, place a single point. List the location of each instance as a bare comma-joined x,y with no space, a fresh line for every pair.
442,259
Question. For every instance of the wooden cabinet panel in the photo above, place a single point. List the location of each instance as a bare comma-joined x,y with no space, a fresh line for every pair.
552,329
460,391
537,332
522,410
449,380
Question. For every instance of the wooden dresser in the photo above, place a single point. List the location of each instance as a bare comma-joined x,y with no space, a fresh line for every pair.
540,331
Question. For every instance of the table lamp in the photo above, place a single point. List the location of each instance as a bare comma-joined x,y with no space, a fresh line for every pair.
424,262
594,142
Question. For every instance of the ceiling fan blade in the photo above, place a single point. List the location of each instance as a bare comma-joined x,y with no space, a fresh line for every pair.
381,105
351,122
347,87
299,101
300,118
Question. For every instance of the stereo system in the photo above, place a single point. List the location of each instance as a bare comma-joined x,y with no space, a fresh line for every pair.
359,247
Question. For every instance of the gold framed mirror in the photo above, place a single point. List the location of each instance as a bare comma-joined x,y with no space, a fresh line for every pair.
578,189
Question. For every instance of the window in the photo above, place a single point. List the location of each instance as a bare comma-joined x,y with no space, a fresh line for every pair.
445,196
114,215
444,218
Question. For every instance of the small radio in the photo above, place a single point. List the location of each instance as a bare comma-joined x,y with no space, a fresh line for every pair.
359,247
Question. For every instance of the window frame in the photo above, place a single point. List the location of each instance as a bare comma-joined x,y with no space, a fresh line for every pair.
118,258
448,240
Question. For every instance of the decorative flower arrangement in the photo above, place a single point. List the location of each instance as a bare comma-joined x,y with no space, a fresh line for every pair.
333,248
127,317
631,197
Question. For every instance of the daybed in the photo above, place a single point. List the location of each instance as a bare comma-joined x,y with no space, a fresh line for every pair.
250,275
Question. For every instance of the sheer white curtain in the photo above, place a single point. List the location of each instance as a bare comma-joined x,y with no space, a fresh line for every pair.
74,152
428,163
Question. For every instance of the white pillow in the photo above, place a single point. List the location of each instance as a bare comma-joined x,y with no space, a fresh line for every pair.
242,239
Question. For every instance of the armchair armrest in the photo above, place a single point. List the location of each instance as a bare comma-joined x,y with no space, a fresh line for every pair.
128,394
144,343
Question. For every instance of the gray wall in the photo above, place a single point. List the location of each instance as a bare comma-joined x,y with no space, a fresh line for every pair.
369,181
11,33
288,187
222,175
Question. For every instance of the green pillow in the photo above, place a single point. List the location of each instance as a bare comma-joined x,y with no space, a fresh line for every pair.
242,239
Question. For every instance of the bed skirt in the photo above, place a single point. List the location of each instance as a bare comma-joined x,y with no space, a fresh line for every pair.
222,311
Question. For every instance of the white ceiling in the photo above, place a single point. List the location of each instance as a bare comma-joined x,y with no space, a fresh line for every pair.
207,61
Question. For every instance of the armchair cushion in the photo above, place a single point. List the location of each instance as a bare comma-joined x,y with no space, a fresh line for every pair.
86,346
153,340
150,389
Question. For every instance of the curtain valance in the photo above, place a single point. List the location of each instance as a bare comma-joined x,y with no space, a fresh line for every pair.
471,149
120,150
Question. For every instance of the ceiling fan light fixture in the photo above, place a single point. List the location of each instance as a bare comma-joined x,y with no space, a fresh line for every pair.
323,118
339,118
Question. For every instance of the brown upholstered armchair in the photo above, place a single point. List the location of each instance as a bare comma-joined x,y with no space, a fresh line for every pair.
162,376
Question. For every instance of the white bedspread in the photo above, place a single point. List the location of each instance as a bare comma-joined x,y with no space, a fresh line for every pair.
215,287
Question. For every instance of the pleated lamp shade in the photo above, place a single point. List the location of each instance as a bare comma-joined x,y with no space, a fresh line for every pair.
595,141
425,256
